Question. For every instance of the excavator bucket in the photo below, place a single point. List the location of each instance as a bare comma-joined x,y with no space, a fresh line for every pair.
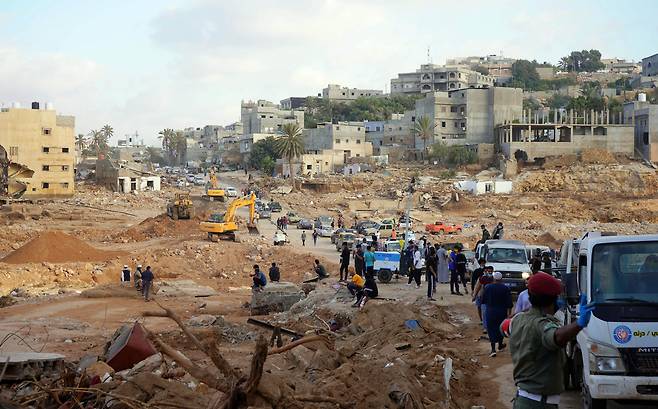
253,229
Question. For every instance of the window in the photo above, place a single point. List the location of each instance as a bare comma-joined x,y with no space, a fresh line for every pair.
462,92
443,108
381,143
443,124
488,187
65,150
343,94
456,124
45,185
337,140
65,168
46,149
65,185
271,116
390,139
453,109
399,128
13,150
464,125
326,164
263,116
358,141
390,129
358,154
46,131
338,128
378,129
45,168
358,128
309,167
352,94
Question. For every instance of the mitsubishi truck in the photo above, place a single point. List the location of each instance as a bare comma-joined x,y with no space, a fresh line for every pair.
616,355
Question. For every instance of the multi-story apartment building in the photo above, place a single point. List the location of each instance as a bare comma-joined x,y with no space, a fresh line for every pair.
44,142
266,117
499,67
650,65
468,116
645,117
432,78
335,92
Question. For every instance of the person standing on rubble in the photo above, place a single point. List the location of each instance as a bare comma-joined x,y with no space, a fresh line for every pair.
137,277
275,273
443,273
485,234
369,260
537,341
498,232
498,299
430,272
147,282
344,262
359,262
125,275
315,237
304,238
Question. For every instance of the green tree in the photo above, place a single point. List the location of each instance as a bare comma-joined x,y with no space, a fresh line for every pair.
424,128
81,142
319,110
290,145
558,101
531,104
267,165
481,69
524,74
582,61
262,150
153,155
452,155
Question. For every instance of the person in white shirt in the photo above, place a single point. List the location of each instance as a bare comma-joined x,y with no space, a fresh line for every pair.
418,265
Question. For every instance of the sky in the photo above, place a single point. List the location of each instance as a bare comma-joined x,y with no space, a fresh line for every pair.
145,65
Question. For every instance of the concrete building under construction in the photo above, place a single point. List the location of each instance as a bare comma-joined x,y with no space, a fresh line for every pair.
562,132
39,140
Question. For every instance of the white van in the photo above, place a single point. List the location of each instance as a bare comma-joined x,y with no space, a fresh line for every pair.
509,258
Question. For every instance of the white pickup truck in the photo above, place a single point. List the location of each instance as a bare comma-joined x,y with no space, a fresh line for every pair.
616,355
509,258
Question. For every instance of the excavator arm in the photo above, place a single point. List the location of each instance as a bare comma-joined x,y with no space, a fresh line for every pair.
241,202
227,228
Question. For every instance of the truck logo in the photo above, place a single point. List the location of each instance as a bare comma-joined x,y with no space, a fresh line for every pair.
622,334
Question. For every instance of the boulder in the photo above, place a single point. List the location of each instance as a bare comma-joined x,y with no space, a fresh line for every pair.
275,297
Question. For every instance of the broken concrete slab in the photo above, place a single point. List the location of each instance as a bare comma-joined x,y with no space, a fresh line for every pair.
275,297
27,365
185,288
204,320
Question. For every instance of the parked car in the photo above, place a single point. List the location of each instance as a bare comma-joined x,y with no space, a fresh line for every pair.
324,231
337,232
366,227
324,221
384,230
305,224
182,183
230,191
292,217
264,213
199,181
275,207
442,228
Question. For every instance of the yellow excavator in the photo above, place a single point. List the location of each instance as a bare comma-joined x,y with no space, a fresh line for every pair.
223,226
213,191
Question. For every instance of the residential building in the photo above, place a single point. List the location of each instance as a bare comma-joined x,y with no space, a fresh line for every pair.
125,176
432,78
266,117
335,92
619,65
43,141
293,103
645,117
468,116
650,66
332,145
499,67
562,132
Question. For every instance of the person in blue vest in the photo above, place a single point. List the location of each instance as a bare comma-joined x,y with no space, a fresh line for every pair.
259,279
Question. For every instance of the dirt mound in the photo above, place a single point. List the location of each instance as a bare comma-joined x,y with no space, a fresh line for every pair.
57,247
597,156
159,226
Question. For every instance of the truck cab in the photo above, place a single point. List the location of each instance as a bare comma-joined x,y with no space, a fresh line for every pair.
616,355
509,258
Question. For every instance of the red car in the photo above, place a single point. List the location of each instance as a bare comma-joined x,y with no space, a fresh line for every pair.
442,228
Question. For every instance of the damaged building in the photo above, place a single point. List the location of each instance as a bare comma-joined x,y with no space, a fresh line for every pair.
124,176
562,132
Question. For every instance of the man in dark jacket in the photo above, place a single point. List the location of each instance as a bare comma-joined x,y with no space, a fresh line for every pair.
498,232
344,262
485,234
147,282
275,273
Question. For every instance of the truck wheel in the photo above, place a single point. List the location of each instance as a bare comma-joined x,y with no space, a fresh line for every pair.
589,402
384,275
175,215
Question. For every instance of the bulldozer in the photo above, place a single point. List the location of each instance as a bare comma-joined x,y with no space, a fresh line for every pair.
223,226
11,188
181,207
213,191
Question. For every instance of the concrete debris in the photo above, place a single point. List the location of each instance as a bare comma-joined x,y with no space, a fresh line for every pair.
179,288
204,320
275,297
27,365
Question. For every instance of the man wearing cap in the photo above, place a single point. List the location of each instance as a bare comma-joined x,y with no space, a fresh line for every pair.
537,341
125,275
498,301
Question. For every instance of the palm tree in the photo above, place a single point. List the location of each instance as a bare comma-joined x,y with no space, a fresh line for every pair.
80,142
152,154
98,141
108,131
289,145
424,128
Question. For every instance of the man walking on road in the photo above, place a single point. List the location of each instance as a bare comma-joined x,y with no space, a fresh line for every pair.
430,273
315,238
304,238
344,262
498,299
454,277
147,282
460,261
537,344
417,266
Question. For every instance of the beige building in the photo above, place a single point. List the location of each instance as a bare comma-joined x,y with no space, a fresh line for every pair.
44,142
335,92
432,78
266,117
